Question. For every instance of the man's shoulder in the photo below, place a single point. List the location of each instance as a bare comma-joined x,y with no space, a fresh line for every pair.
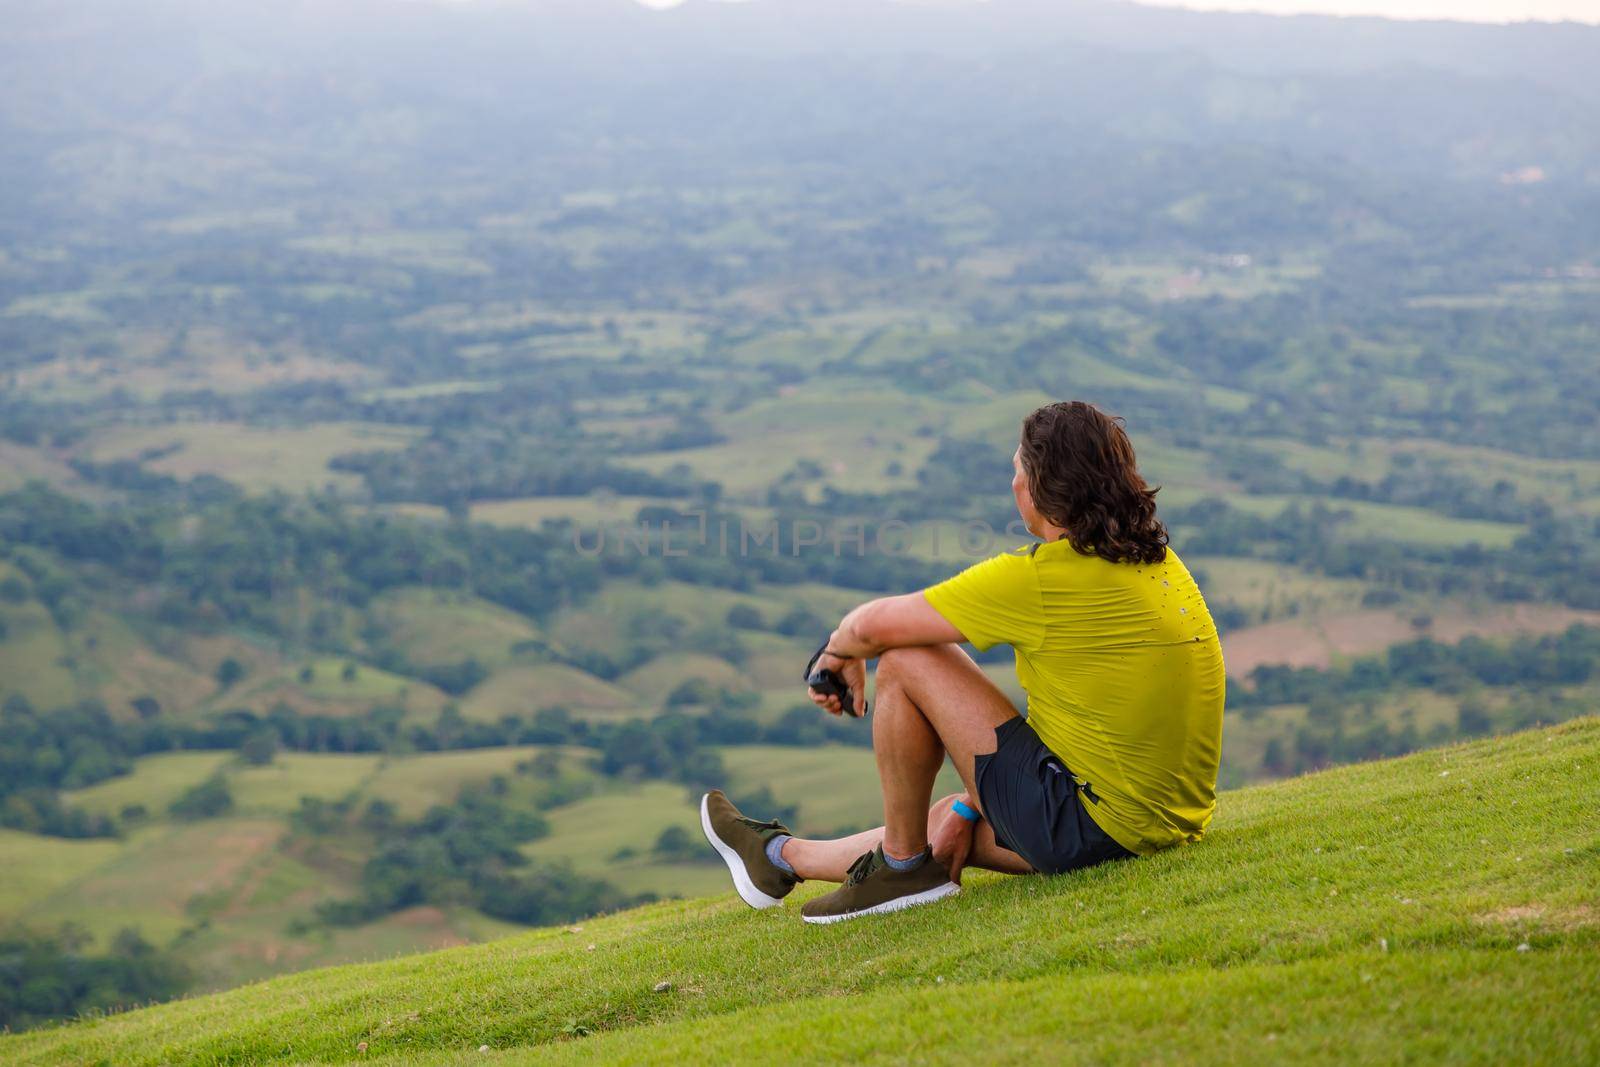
1005,574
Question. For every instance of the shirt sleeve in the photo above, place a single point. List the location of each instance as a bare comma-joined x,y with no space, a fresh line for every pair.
995,602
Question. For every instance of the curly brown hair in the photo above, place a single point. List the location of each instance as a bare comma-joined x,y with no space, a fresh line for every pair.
1083,477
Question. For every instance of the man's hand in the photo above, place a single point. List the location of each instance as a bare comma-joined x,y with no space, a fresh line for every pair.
854,673
952,837
867,632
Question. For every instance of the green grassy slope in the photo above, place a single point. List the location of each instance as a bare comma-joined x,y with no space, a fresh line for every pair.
1443,905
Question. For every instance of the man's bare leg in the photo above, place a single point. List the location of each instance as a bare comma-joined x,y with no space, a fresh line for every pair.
828,861
930,699
931,702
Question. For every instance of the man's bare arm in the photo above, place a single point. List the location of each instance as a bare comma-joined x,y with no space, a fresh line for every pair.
868,632
891,622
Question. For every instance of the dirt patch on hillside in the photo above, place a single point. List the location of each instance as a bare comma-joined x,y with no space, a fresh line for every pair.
422,915
207,651
1511,619
143,672
430,925
231,850
164,873
1315,642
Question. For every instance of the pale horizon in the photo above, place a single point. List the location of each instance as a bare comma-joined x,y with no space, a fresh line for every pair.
1490,11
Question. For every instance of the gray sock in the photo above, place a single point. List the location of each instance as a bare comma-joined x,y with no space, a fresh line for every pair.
775,852
906,865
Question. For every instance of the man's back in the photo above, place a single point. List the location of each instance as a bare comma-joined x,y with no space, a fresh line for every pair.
1124,674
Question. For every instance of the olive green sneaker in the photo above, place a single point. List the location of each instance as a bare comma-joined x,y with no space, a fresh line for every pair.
742,844
873,887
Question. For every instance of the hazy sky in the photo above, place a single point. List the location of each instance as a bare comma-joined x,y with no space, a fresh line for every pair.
1475,10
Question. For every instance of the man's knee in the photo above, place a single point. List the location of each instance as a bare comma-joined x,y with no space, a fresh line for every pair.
896,665
892,664
939,809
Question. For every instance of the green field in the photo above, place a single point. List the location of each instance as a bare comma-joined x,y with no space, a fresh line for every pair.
33,653
835,787
101,655
1270,590
852,440
20,464
291,458
586,511
590,834
276,789
417,783
225,892
655,680
329,681
438,250
1373,522
154,783
152,882
38,867
1374,913
523,690
1423,527
431,626
335,686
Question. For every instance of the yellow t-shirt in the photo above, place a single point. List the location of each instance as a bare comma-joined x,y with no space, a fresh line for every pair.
1123,670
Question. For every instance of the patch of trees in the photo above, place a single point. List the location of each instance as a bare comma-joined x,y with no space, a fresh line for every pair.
75,746
1417,483
1337,731
239,560
454,678
452,471
237,556
204,800
1568,658
677,845
682,747
466,853
648,635
716,547
68,748
41,811
79,745
1310,356
1343,724
50,975
1558,559
668,746
131,476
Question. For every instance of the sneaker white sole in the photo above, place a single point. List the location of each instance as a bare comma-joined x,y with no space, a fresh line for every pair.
741,877
927,896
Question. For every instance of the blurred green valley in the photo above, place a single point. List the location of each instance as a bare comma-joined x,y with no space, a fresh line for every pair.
333,336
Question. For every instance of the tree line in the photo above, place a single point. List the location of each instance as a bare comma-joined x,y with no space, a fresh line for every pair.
54,974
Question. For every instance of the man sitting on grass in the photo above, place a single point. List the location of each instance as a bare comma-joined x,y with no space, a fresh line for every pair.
1123,670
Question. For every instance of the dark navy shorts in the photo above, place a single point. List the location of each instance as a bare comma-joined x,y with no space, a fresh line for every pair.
1035,806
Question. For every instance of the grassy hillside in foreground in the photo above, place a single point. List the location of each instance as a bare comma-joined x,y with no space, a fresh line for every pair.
1439,906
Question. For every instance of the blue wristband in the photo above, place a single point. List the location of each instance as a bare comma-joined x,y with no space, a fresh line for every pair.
961,809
